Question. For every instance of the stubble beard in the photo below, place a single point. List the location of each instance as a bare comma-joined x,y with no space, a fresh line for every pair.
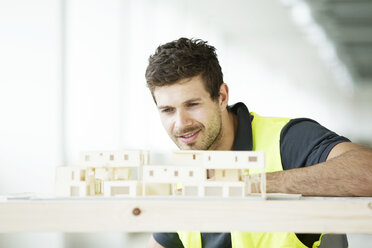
213,140
210,142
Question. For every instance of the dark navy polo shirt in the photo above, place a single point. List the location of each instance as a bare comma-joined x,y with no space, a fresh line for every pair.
303,142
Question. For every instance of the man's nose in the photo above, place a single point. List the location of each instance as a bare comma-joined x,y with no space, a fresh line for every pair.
182,119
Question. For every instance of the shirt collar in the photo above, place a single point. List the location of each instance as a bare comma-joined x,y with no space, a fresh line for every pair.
243,138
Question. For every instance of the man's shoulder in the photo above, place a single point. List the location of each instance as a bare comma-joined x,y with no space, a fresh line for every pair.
304,142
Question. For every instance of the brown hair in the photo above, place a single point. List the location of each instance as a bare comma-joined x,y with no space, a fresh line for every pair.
184,58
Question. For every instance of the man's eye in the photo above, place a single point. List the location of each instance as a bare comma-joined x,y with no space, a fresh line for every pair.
193,104
167,110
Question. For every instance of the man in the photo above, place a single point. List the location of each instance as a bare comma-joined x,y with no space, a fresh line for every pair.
186,82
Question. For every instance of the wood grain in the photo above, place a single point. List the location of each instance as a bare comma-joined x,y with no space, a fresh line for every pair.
308,215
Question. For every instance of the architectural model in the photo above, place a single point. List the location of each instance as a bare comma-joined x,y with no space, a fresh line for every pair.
191,173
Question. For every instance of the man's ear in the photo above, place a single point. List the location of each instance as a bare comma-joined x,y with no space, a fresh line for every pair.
224,96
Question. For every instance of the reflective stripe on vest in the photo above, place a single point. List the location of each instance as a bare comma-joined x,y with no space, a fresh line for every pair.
266,137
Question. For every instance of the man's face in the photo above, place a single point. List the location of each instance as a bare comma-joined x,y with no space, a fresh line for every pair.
189,115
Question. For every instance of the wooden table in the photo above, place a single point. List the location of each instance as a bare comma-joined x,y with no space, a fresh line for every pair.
307,215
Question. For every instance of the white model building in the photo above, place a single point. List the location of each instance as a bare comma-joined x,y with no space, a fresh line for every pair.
103,173
192,173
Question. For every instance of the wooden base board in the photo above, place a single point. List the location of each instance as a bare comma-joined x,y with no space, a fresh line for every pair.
307,215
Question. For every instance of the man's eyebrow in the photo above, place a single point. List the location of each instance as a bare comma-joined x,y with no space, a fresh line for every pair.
185,102
192,100
164,106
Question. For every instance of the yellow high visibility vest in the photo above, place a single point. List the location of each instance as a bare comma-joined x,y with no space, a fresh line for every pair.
266,137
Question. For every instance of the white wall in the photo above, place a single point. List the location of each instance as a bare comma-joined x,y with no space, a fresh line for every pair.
29,95
92,76
30,104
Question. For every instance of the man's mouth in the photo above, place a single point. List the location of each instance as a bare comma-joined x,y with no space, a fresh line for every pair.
189,137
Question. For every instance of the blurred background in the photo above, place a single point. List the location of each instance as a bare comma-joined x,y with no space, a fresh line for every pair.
72,79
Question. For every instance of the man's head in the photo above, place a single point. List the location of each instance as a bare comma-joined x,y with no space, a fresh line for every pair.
185,80
181,59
